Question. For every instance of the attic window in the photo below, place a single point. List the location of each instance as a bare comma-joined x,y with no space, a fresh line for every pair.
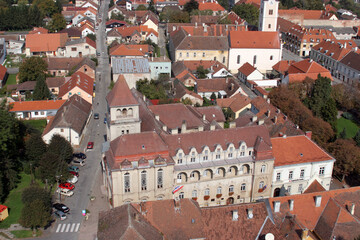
143,146
301,155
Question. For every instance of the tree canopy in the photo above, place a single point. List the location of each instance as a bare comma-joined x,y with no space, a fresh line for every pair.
35,148
141,8
201,72
32,68
191,5
35,215
248,12
151,89
41,91
57,23
61,147
26,17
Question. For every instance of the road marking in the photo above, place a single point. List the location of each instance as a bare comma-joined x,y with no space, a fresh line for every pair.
68,227
58,228
77,227
72,227
63,228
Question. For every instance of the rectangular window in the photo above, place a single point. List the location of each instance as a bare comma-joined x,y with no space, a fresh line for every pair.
205,158
181,195
250,153
291,175
203,54
36,113
194,54
224,58
278,176
127,182
269,26
179,161
230,155
217,156
289,189
238,59
322,171
86,46
271,12
242,154
160,179
180,54
62,130
300,188
207,192
243,187
302,173
73,49
187,54
254,60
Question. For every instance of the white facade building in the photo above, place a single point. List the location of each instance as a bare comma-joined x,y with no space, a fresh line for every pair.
268,15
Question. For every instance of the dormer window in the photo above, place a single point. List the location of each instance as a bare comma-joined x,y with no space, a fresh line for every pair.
192,159
218,153
179,158
205,157
230,154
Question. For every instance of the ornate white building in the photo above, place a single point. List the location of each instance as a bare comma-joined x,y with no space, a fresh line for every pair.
268,15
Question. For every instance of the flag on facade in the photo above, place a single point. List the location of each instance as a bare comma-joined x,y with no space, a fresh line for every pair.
177,188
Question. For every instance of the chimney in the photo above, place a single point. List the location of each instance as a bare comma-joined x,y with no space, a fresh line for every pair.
177,204
276,206
318,201
205,28
261,122
352,209
268,113
254,119
195,87
232,125
291,204
249,213
235,215
203,117
164,127
308,134
183,126
304,234
157,117
196,24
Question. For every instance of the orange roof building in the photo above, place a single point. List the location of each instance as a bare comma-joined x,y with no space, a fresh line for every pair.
36,109
80,84
298,162
305,69
4,213
49,44
130,50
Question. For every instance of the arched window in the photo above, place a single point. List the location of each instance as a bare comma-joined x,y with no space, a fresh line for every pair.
263,169
261,185
124,112
218,190
207,192
231,189
127,182
160,178
194,194
143,180
130,112
118,113
243,187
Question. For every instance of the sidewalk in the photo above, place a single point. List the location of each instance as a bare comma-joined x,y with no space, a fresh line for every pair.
88,229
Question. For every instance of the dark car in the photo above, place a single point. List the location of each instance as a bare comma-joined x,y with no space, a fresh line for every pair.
61,207
105,120
96,116
80,155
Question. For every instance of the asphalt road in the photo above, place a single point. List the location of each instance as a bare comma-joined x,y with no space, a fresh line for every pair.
94,131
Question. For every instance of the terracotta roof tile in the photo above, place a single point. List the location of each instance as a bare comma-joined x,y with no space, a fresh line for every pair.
46,42
192,65
352,60
282,66
52,82
246,69
307,14
78,79
120,95
130,50
315,186
36,105
212,113
213,5
299,71
3,71
229,85
297,149
38,30
254,39
335,49
235,103
55,63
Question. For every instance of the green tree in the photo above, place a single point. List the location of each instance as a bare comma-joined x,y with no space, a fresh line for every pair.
111,3
201,72
321,102
224,4
118,16
57,23
35,215
34,192
35,147
343,134
41,91
32,68
141,8
51,166
213,97
35,16
248,12
357,138
150,89
59,6
191,5
46,7
91,36
152,6
61,147
186,101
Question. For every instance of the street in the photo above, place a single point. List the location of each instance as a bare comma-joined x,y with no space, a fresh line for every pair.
71,228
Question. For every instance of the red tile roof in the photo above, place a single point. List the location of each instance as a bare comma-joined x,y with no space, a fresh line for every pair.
213,5
78,79
212,113
38,30
246,69
254,39
90,42
335,49
46,42
235,103
297,149
130,50
120,95
299,71
192,65
282,66
315,186
36,105
307,14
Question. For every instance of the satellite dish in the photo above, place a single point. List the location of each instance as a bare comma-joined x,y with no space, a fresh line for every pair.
269,236
251,215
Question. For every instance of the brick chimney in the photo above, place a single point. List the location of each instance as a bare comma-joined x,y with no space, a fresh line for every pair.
308,134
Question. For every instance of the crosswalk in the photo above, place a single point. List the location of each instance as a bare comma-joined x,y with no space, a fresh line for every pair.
67,227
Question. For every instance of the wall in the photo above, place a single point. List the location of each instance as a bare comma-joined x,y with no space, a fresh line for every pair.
132,78
209,55
66,133
83,48
76,90
156,68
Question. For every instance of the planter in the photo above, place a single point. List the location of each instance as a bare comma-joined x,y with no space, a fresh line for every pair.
206,198
218,195
194,198
231,193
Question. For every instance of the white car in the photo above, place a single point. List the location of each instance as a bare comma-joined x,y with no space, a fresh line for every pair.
73,180
65,192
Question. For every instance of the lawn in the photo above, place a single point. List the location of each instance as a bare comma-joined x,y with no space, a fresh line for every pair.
38,124
25,233
351,127
11,79
13,202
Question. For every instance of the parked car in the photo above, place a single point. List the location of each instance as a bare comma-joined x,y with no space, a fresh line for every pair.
72,180
96,116
73,169
90,145
65,192
78,162
66,186
60,215
61,207
80,155
76,174
105,120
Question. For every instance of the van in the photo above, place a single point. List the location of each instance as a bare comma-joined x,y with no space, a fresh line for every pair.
65,192
79,162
